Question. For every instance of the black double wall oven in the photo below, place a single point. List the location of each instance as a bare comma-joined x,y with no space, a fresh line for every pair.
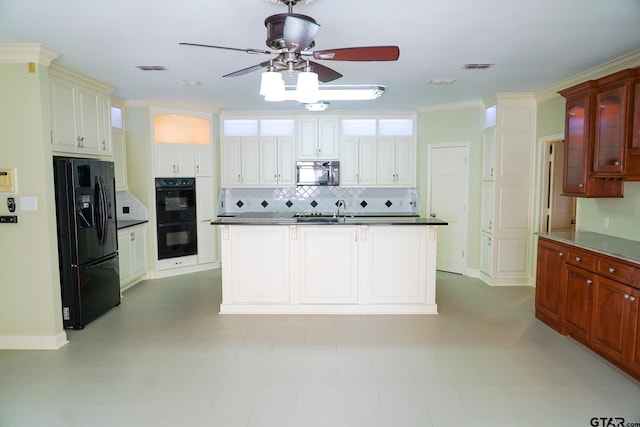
176,217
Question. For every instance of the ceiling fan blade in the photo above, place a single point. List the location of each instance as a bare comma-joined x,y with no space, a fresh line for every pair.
367,53
299,32
228,48
248,70
325,74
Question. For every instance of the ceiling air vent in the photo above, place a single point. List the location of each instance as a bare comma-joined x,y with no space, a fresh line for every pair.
477,66
441,82
152,67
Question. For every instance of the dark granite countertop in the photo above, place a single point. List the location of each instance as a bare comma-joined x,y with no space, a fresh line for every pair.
274,218
126,223
628,250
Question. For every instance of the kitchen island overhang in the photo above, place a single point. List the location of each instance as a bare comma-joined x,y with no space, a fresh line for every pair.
359,265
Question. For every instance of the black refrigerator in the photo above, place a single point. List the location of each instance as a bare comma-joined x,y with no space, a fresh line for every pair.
87,239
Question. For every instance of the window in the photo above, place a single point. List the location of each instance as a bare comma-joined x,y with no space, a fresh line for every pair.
116,118
181,129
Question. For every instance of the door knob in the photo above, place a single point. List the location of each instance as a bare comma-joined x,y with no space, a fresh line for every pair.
432,215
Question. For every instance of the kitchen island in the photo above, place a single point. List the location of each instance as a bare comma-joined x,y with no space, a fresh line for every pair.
324,265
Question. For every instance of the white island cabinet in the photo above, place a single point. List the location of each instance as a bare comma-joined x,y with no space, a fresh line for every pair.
339,268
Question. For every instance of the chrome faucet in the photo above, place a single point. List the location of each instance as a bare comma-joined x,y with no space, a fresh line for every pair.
341,203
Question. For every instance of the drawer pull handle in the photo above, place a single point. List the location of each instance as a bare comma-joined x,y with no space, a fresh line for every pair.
589,281
612,270
578,259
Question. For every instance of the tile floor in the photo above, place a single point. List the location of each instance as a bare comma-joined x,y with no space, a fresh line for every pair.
166,358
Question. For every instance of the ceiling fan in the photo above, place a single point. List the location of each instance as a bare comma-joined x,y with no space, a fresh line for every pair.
291,38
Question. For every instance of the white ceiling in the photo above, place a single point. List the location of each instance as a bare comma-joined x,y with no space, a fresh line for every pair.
533,43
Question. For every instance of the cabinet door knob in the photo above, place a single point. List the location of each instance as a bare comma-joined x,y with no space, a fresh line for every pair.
581,185
612,270
589,281
561,253
617,163
632,298
578,259
626,296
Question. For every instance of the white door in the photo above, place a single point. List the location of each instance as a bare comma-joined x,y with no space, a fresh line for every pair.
448,201
562,209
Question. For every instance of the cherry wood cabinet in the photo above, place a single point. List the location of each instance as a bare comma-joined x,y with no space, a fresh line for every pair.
593,298
580,117
577,133
633,150
611,124
578,303
602,135
614,305
549,287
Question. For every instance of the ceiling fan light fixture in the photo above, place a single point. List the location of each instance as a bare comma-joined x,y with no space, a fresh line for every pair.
277,93
270,81
307,89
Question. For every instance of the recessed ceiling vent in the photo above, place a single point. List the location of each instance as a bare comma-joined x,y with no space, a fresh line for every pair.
152,67
477,66
441,82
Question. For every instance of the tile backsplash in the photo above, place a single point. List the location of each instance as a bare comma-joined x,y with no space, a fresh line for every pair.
307,199
130,208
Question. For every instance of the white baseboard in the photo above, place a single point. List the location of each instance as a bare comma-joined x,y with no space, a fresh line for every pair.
472,272
184,270
29,342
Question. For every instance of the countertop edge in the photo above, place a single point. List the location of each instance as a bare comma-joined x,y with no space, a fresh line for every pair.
355,221
617,247
122,224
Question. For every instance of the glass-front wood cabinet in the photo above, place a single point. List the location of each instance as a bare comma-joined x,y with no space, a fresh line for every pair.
576,144
611,131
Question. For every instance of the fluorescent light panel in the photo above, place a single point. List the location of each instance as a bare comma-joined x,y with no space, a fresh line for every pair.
341,92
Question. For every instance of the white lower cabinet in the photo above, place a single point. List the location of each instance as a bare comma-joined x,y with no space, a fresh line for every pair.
328,264
132,248
328,269
256,263
398,269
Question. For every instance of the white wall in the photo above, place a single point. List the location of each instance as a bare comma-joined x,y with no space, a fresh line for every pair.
462,123
30,306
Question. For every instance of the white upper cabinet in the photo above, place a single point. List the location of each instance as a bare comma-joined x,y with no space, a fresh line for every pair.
80,117
318,138
174,160
277,161
182,144
358,162
378,152
396,161
203,160
240,162
258,152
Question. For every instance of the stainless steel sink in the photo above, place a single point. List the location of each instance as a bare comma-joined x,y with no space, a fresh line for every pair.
317,219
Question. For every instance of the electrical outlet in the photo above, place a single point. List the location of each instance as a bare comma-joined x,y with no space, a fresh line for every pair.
605,222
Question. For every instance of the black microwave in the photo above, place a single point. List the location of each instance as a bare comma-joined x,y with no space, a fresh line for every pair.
318,172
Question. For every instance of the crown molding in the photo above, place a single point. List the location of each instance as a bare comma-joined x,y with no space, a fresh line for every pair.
629,60
167,104
477,103
22,53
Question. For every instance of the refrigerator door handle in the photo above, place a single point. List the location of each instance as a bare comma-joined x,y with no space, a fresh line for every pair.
103,212
100,211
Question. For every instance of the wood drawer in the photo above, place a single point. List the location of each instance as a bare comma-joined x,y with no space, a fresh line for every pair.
615,270
581,259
